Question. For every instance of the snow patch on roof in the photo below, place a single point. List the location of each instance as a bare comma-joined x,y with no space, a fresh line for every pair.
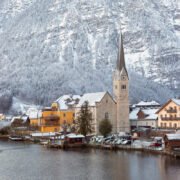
151,113
68,100
34,113
177,101
150,103
92,98
75,136
173,136
43,134
133,114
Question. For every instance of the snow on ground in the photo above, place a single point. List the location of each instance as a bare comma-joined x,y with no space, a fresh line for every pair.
4,123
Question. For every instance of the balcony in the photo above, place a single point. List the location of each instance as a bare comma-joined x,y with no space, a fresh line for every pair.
52,118
50,124
171,110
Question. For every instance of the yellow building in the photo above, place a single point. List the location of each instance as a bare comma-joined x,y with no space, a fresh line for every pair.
65,105
169,114
60,113
50,121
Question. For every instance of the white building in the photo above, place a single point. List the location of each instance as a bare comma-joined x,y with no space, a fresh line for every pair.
101,105
146,117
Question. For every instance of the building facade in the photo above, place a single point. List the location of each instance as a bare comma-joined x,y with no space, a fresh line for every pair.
169,114
101,105
144,118
144,114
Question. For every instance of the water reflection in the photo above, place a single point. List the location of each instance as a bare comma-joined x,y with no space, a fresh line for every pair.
35,162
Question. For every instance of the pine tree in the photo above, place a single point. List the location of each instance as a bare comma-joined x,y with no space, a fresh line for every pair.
84,120
105,127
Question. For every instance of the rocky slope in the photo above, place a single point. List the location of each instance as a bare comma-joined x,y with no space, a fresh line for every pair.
49,48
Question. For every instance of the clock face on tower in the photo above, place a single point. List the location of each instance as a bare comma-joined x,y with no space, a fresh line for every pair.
123,78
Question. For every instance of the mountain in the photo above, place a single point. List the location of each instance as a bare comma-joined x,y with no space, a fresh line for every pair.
49,48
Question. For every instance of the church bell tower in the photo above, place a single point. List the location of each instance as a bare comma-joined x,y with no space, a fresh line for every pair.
121,91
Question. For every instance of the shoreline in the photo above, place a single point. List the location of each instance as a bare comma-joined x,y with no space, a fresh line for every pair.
139,149
114,148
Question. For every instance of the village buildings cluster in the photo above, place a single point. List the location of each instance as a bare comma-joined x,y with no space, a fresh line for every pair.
64,111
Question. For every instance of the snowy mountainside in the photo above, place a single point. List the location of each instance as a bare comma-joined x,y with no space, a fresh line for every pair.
49,48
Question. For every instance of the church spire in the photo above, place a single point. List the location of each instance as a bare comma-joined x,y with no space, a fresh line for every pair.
120,59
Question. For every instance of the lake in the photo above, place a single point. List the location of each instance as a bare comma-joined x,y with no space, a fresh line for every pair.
22,161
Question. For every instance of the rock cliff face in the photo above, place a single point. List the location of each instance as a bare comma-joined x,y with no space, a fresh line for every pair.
49,48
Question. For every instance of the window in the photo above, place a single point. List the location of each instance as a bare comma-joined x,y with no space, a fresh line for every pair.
164,124
170,125
175,125
115,86
106,101
161,124
123,87
106,115
64,115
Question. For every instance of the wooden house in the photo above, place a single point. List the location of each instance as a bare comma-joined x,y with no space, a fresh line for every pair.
172,141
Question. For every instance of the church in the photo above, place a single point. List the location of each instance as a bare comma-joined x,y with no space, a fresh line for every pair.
65,109
116,107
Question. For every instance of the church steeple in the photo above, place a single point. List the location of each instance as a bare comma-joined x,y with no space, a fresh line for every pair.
121,91
120,65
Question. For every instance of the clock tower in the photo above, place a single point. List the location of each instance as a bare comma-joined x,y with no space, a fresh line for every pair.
121,92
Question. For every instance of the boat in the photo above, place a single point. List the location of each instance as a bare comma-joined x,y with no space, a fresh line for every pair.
16,138
54,143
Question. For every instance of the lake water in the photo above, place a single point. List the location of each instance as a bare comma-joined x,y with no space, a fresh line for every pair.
21,161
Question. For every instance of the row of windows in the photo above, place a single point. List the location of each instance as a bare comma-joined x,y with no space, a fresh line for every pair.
171,125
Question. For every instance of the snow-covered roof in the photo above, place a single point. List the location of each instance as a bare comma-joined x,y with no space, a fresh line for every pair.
34,113
75,135
67,100
150,112
146,103
133,114
92,98
43,134
173,136
24,118
177,101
